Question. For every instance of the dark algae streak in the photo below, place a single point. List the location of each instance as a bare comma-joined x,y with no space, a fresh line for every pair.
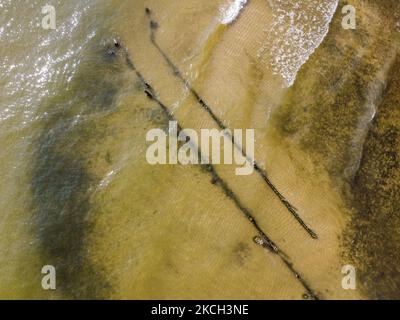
374,236
343,111
61,179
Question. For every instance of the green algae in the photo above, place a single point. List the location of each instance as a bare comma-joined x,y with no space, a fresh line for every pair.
343,112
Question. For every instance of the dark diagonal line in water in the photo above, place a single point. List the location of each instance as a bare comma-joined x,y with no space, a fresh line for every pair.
261,172
264,240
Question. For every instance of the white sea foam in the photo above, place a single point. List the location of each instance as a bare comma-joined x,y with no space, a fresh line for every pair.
230,12
299,27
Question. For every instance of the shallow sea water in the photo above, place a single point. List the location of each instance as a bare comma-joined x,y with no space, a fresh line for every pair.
77,192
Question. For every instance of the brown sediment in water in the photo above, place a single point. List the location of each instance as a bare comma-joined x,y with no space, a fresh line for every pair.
132,230
222,126
373,240
264,241
342,112
328,109
321,271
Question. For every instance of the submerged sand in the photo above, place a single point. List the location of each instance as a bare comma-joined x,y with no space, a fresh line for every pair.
116,227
